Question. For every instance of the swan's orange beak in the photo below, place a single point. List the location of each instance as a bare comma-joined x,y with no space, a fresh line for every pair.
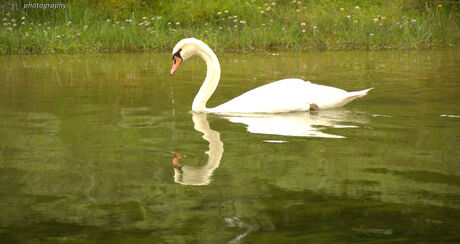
176,62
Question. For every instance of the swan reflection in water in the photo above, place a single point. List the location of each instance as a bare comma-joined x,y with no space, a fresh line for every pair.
301,124
198,176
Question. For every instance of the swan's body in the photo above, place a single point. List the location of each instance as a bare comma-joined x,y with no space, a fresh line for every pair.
286,95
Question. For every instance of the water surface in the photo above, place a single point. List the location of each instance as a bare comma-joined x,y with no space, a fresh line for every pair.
86,142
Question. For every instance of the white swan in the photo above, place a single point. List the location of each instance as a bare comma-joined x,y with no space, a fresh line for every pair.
286,95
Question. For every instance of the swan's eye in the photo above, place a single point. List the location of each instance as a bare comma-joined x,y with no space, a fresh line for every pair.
177,54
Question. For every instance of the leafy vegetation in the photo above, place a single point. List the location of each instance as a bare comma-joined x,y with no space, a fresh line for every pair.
130,25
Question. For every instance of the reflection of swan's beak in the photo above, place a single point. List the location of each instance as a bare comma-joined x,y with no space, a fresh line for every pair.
176,159
176,63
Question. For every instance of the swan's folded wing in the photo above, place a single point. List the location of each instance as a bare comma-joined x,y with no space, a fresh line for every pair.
280,96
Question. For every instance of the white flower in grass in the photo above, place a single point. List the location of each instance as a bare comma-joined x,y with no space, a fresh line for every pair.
303,31
303,24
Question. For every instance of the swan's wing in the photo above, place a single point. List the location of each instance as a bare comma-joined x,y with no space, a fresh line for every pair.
276,97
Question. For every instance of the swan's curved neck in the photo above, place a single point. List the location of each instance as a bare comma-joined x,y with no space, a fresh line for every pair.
211,81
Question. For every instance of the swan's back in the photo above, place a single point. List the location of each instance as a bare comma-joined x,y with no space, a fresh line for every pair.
288,95
277,97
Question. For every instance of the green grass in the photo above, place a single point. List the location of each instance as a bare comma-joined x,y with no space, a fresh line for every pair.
132,25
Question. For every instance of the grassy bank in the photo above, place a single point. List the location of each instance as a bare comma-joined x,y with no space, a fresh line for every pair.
106,25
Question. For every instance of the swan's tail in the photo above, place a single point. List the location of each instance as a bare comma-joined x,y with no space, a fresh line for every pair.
356,94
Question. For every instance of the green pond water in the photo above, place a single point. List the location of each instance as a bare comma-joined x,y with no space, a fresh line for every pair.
86,142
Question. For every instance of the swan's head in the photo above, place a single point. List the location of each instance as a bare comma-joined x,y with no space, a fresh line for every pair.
185,49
